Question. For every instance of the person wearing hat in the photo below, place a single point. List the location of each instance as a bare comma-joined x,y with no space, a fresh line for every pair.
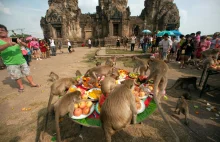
166,46
187,49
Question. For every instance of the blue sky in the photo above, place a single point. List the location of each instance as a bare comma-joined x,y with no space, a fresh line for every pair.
203,15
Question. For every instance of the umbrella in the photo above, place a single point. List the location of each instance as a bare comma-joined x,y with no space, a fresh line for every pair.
177,33
146,31
165,32
29,38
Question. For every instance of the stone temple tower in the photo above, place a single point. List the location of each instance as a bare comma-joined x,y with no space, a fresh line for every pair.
62,20
113,17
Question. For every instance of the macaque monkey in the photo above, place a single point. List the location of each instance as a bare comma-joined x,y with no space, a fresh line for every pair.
59,88
78,73
111,61
213,53
207,63
182,107
53,76
119,109
108,84
100,70
63,106
184,81
98,64
186,95
140,64
158,72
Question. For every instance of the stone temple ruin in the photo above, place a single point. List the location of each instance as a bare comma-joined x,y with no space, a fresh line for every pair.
112,19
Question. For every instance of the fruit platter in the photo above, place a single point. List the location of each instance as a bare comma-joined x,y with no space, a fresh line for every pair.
87,111
133,75
83,109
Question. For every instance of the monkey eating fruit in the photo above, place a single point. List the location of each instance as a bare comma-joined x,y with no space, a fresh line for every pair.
62,107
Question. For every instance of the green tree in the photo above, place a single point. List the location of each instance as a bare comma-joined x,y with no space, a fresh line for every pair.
20,35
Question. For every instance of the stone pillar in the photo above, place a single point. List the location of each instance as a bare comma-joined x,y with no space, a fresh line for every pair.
110,28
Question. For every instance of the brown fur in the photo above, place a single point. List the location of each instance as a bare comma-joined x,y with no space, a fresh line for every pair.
98,64
53,76
118,110
62,107
140,64
111,61
108,84
59,87
100,70
78,73
182,106
213,53
158,72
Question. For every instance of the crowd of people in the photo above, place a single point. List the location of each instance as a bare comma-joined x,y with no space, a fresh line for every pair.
174,48
189,46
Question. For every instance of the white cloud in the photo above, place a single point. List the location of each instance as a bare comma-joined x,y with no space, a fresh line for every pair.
88,6
4,9
183,16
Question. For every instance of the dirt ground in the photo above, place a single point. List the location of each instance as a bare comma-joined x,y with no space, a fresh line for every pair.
25,126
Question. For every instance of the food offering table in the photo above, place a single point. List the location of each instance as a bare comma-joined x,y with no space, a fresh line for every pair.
92,119
205,76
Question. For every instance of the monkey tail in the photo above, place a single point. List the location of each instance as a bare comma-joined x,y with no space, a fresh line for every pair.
57,114
164,118
176,84
48,110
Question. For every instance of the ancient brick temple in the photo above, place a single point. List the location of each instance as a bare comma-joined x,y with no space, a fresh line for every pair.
112,19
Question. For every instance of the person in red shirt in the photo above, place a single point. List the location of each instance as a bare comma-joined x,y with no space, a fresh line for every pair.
43,48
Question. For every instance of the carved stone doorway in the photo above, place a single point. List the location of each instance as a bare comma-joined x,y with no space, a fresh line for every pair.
115,29
58,32
136,30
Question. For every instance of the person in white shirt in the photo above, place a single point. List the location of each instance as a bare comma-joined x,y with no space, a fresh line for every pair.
133,39
89,43
52,47
141,42
166,46
69,46
173,51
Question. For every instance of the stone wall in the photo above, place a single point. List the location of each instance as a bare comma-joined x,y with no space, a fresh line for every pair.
62,20
161,15
112,20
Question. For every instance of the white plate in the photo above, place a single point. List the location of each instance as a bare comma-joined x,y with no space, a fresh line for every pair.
138,111
142,107
91,91
119,81
96,108
84,116
144,97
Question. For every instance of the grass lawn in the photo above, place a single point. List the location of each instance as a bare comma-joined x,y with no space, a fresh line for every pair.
118,51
